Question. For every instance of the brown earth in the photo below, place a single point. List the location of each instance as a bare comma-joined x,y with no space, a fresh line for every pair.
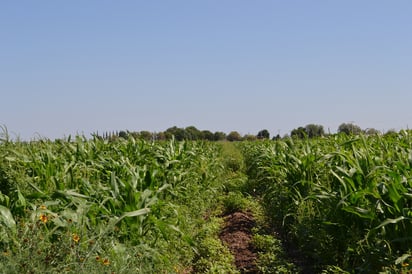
237,236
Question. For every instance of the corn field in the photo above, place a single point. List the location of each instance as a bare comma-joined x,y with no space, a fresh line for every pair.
101,207
346,202
104,206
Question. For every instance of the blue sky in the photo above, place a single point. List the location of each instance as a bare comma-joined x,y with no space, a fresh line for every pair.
71,67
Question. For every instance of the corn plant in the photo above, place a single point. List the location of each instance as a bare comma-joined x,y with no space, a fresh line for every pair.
347,197
99,205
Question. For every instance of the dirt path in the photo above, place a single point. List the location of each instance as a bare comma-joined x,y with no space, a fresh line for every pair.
237,235
276,253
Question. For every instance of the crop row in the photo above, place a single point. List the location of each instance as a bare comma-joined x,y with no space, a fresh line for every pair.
98,206
344,201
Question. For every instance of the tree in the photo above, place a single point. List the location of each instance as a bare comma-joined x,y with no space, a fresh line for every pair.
192,133
299,132
134,134
349,129
146,135
161,136
249,137
233,136
313,130
207,135
123,134
391,133
219,136
372,131
178,133
277,137
263,134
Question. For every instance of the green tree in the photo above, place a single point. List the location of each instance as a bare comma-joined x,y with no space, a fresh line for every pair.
299,132
263,134
123,134
313,130
219,136
372,131
207,135
391,133
277,137
249,137
349,129
192,133
233,136
146,135
161,136
178,133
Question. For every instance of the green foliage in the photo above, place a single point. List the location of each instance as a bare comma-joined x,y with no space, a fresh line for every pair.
249,137
234,202
272,257
372,131
105,206
313,130
263,134
190,133
219,136
233,158
207,135
133,204
4,135
349,129
233,136
309,131
212,255
344,200
299,132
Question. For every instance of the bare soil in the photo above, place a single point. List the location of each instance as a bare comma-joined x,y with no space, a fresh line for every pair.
237,235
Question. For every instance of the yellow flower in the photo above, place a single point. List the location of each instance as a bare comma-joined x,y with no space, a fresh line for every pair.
97,258
43,218
43,207
405,264
106,262
76,237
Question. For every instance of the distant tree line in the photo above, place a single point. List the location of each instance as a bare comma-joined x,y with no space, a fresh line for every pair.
313,130
192,133
179,134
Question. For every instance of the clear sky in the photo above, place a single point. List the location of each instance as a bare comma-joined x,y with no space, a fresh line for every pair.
71,67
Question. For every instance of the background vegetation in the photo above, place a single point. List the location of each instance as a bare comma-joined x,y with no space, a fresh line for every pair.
115,203
192,133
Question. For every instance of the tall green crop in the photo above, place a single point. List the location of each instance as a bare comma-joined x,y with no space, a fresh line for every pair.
95,205
347,197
